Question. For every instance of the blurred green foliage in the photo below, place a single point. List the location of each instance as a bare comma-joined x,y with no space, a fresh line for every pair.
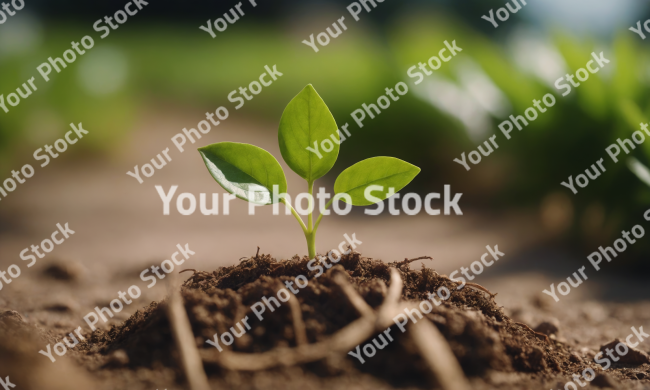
179,64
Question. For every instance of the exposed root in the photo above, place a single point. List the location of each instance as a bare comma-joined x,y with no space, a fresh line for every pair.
298,324
475,286
433,347
197,275
400,264
437,353
355,299
407,261
479,287
387,310
274,267
537,334
258,252
182,331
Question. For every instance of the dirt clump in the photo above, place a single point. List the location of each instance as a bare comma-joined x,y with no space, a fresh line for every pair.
67,271
632,356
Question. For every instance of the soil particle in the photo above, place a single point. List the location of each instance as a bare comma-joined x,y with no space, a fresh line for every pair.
11,316
549,328
633,356
604,381
60,307
574,357
117,358
67,271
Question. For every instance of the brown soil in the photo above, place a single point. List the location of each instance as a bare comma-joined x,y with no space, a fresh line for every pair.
493,350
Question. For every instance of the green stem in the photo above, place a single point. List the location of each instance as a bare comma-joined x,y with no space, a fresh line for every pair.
311,244
310,235
295,214
327,206
310,217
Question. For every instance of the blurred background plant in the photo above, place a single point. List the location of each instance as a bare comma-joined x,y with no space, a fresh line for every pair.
165,59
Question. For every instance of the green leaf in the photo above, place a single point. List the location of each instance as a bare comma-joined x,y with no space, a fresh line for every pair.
382,171
308,123
244,170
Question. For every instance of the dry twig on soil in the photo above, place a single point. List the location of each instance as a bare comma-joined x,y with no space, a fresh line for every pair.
432,345
385,313
182,331
439,357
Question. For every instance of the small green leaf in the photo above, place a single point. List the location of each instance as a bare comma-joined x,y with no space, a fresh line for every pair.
382,171
308,123
244,170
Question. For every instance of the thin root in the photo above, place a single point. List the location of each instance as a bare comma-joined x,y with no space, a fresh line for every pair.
537,334
438,355
189,269
433,347
409,261
388,309
355,299
275,266
182,332
473,285
478,286
298,323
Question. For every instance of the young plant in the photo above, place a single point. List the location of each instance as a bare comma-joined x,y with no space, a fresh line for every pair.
251,173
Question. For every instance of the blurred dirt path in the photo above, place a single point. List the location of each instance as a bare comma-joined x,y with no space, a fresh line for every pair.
119,222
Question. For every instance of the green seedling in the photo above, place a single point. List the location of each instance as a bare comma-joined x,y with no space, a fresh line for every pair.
250,173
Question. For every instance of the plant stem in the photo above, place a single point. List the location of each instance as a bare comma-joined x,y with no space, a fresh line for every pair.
310,235
327,206
295,214
309,230
310,217
311,244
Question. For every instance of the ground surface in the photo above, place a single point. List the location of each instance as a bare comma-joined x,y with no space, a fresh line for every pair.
494,351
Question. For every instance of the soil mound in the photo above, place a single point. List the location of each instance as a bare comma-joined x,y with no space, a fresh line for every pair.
484,340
